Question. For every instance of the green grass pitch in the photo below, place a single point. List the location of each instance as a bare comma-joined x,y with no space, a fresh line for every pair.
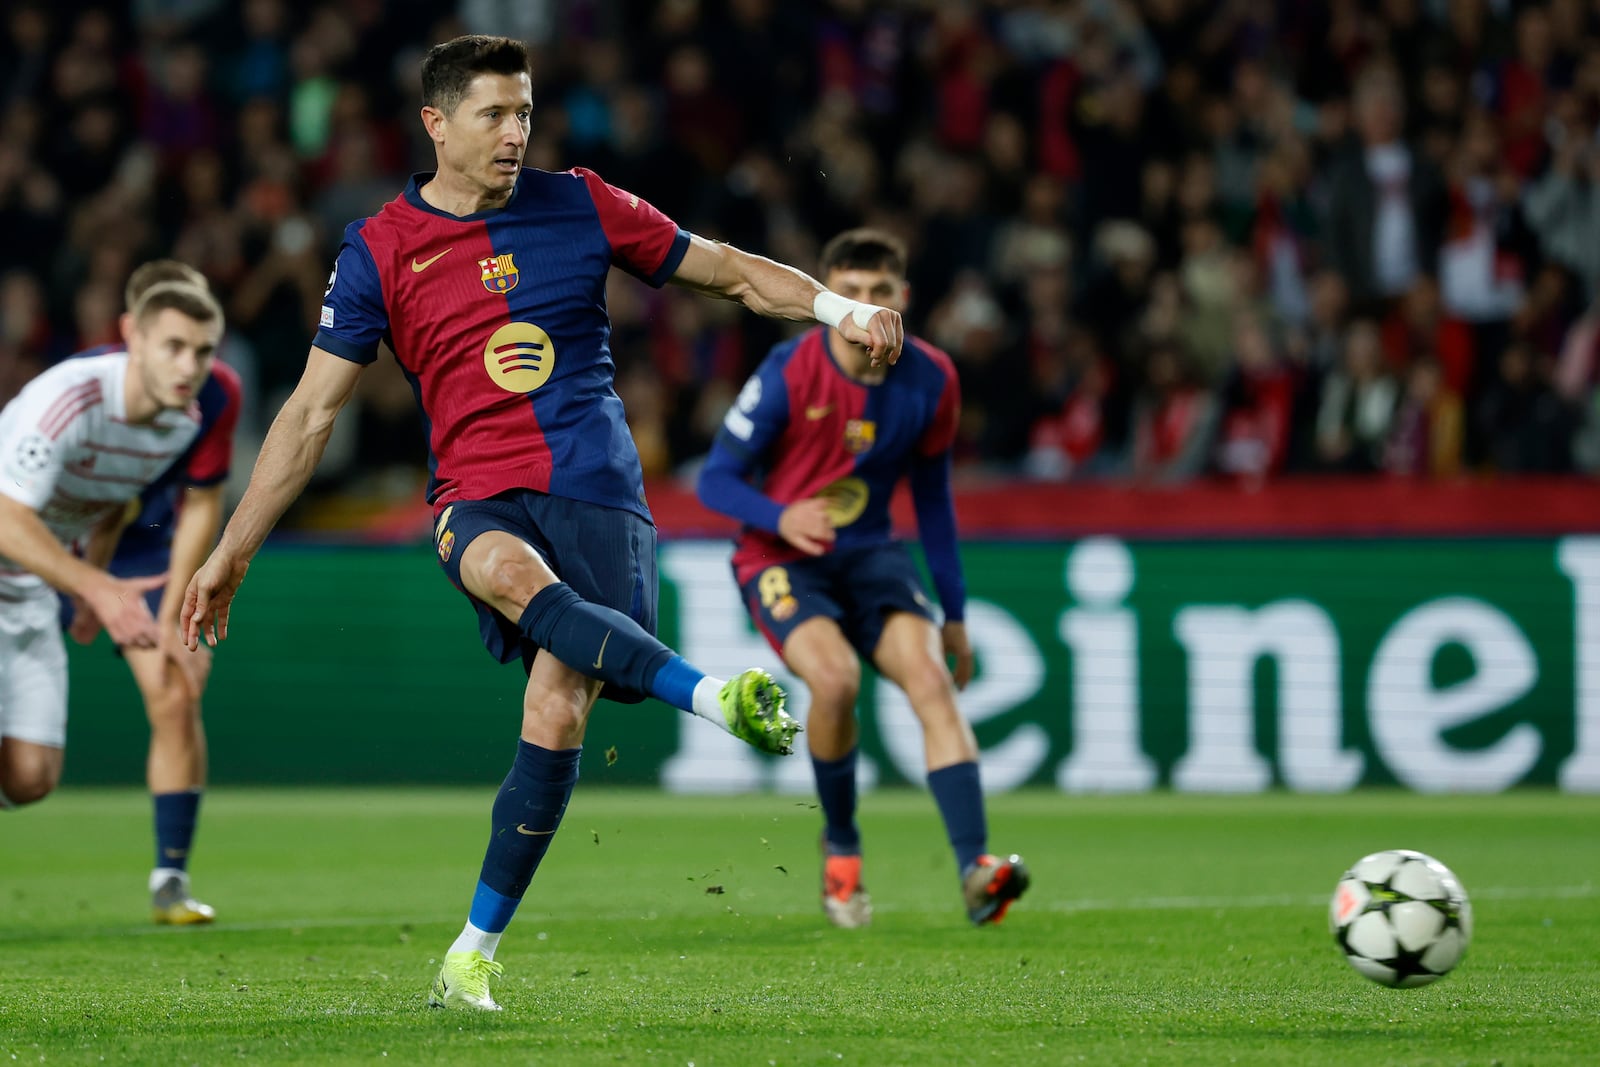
1160,930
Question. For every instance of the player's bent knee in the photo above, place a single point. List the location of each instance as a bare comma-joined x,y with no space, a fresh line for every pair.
508,581
30,785
173,712
834,686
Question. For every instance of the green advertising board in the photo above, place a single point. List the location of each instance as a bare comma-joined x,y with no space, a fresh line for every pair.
1104,666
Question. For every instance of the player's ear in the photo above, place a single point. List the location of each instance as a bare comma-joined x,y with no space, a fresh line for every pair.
125,325
433,121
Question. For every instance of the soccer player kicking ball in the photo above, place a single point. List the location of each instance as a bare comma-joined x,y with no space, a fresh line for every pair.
487,279
173,526
77,446
830,434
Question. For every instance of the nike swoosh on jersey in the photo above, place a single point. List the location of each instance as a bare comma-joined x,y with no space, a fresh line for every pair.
602,655
418,268
813,414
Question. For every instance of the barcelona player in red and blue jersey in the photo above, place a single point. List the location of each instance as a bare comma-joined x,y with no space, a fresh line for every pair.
487,280
808,459
172,526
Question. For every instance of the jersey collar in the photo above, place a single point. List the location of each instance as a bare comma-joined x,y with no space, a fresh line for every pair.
413,196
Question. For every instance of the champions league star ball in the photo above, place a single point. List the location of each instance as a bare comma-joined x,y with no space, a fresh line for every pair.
1401,918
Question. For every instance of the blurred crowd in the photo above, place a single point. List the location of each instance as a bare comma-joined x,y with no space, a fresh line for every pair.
1162,239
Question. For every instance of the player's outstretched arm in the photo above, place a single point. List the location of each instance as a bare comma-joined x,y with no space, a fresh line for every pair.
195,531
782,292
288,458
118,603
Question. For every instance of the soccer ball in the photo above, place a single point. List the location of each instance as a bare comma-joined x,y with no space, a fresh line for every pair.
1401,918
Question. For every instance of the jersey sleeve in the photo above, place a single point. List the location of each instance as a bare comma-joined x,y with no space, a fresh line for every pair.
212,456
34,445
941,432
644,242
756,419
354,318
758,416
936,525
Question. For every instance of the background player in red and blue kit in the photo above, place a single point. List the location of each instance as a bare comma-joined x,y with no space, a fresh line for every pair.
175,525
488,282
808,459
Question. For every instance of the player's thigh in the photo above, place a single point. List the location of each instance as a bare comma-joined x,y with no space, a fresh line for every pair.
33,672
783,597
910,654
607,555
819,653
504,571
883,583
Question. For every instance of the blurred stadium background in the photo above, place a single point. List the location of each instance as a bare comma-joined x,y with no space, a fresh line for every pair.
1276,324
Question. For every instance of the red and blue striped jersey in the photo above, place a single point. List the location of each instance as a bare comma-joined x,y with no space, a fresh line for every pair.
802,428
499,321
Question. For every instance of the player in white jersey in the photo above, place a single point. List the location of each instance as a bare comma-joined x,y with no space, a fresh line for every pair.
77,446
176,526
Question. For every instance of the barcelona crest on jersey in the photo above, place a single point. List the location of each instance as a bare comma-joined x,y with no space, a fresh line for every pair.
859,435
499,273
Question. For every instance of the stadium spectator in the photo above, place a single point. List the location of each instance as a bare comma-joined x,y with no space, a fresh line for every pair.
1427,164
1358,404
1425,438
1386,203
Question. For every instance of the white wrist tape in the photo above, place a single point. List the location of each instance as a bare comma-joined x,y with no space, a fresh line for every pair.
831,308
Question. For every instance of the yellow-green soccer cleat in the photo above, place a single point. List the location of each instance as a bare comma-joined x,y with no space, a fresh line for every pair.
463,982
171,904
752,704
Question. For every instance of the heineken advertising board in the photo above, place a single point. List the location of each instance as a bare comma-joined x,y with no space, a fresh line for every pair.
1104,666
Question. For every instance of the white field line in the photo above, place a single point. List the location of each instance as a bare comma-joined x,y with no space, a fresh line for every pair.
1290,900
1179,903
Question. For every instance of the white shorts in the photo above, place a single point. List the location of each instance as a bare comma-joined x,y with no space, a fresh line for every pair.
33,671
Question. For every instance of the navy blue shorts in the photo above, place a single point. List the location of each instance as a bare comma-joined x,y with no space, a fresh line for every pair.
141,564
607,556
857,588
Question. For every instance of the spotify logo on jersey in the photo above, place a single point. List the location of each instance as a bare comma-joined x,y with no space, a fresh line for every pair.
519,357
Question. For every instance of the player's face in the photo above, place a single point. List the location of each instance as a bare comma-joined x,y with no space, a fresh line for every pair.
884,288
173,354
485,137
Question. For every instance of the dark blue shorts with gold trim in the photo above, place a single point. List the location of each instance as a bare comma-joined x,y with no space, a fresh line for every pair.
607,555
858,588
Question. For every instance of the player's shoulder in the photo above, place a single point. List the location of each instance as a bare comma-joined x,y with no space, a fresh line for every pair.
806,345
927,353
223,389
99,350
76,371
387,228
541,191
58,395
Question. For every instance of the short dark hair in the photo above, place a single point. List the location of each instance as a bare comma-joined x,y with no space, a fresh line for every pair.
154,273
864,249
190,300
449,68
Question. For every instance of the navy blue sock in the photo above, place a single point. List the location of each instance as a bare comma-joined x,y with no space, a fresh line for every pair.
836,789
960,798
526,813
176,814
596,640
